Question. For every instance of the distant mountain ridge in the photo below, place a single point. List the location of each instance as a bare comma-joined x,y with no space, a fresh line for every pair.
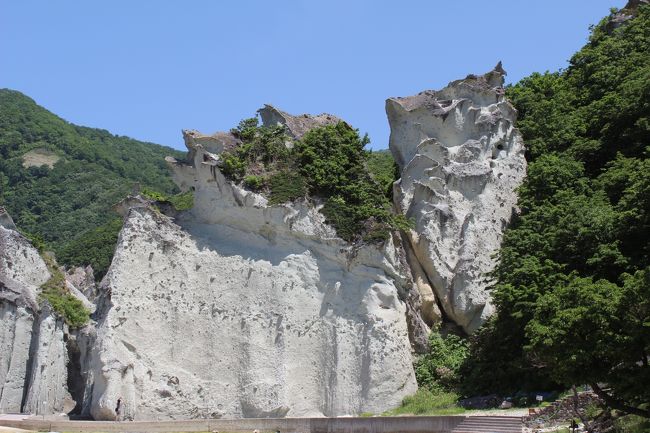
59,180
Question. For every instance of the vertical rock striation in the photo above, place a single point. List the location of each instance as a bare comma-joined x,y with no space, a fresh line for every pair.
33,356
461,160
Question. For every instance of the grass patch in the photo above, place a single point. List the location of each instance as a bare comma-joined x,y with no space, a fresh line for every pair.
426,402
181,201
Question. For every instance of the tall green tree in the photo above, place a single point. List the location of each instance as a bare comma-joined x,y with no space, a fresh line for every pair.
571,285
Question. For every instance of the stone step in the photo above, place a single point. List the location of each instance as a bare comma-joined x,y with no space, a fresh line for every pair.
494,421
487,421
485,428
486,431
489,424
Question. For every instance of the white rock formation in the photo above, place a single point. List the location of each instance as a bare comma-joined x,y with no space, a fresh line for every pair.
33,355
296,126
240,309
82,280
461,159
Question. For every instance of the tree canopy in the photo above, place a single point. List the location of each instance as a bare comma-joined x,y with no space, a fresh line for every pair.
67,203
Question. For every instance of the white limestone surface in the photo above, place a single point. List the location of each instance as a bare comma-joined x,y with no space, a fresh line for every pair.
33,357
461,160
15,337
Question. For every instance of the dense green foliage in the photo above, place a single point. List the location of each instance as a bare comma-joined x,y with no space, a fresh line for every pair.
383,169
328,163
439,369
94,248
571,289
73,199
55,292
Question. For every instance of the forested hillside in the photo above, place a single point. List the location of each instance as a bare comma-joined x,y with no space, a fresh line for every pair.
573,286
59,181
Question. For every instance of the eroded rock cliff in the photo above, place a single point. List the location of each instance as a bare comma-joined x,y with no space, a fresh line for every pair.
33,356
461,159
241,309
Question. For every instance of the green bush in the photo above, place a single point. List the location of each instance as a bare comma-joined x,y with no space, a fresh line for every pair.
181,201
632,424
55,292
232,166
328,163
383,169
254,182
36,240
287,186
440,368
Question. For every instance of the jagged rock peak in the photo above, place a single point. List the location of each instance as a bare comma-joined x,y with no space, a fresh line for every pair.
5,219
634,4
623,15
297,126
215,143
461,160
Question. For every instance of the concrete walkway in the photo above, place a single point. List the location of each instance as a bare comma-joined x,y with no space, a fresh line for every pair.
404,424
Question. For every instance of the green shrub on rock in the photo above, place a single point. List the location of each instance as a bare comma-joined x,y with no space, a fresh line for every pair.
328,163
55,292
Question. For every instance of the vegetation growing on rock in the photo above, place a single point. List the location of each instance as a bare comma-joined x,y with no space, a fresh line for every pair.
329,163
439,369
55,292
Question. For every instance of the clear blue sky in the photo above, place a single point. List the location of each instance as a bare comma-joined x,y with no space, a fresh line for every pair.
149,68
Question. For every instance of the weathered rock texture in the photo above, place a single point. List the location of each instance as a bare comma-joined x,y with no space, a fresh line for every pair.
240,309
461,159
296,126
33,356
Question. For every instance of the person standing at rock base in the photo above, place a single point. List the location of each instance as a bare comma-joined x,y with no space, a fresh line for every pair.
118,409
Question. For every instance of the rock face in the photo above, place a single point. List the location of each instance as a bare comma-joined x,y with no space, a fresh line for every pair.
241,309
296,126
461,159
33,355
